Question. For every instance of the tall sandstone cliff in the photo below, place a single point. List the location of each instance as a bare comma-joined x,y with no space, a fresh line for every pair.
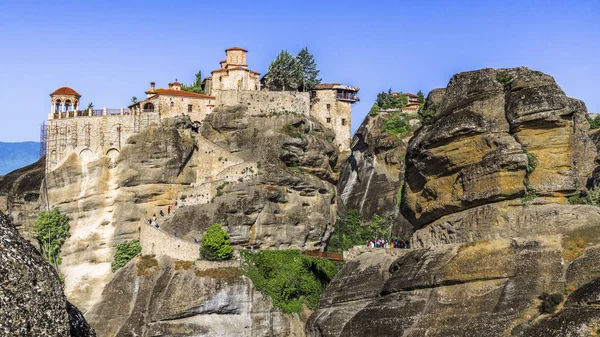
269,180
486,247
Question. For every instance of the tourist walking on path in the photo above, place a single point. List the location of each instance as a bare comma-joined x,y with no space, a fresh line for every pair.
162,214
169,210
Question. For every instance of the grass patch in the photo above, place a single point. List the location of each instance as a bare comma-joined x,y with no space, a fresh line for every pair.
147,265
288,277
227,272
183,265
529,195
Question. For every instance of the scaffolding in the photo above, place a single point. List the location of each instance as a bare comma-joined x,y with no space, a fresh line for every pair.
74,136
43,139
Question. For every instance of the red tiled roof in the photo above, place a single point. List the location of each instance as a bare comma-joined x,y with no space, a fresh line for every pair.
170,92
65,91
234,68
410,95
236,48
175,83
322,86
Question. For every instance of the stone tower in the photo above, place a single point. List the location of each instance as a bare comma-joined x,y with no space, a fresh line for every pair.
332,106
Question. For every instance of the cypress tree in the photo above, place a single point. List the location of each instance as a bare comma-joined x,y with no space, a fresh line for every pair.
310,73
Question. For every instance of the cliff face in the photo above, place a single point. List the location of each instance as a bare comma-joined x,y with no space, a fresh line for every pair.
106,200
151,297
32,302
20,194
484,254
278,190
493,124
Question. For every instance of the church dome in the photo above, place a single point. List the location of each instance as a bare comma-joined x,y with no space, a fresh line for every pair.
65,91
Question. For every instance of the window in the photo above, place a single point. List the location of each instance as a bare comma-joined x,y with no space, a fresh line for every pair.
172,104
328,106
328,119
189,108
343,121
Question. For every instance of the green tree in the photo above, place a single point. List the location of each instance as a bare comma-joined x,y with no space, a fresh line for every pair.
348,233
421,97
310,73
215,244
391,100
125,252
196,86
397,125
594,122
133,99
52,229
284,73
374,110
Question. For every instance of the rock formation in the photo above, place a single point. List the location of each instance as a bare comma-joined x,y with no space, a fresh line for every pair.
371,179
106,199
151,297
279,190
20,194
32,302
487,247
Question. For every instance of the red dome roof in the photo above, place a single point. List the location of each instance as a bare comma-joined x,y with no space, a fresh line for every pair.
65,91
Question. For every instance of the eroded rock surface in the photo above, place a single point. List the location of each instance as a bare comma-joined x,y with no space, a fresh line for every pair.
150,297
278,192
371,179
32,302
492,124
486,247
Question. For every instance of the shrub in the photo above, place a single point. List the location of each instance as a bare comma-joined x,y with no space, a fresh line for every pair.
529,195
532,162
125,252
594,122
574,200
51,231
215,244
549,302
288,277
397,125
592,196
504,77
374,110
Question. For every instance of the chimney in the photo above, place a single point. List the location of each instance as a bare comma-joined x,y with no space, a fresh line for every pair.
152,86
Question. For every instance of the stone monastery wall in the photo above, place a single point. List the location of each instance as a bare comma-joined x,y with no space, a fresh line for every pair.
267,102
92,137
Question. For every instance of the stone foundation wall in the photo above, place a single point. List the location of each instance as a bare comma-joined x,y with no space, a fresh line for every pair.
267,102
156,242
91,137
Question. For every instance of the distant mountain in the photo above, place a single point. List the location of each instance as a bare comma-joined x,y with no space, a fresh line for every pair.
17,155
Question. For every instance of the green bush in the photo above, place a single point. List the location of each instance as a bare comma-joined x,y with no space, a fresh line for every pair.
504,77
52,230
549,303
574,200
594,122
215,244
592,196
288,277
529,195
532,162
397,125
125,252
374,110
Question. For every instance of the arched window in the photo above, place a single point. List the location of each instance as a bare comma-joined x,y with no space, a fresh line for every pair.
148,107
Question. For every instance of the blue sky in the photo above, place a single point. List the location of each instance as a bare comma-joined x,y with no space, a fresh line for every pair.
109,51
